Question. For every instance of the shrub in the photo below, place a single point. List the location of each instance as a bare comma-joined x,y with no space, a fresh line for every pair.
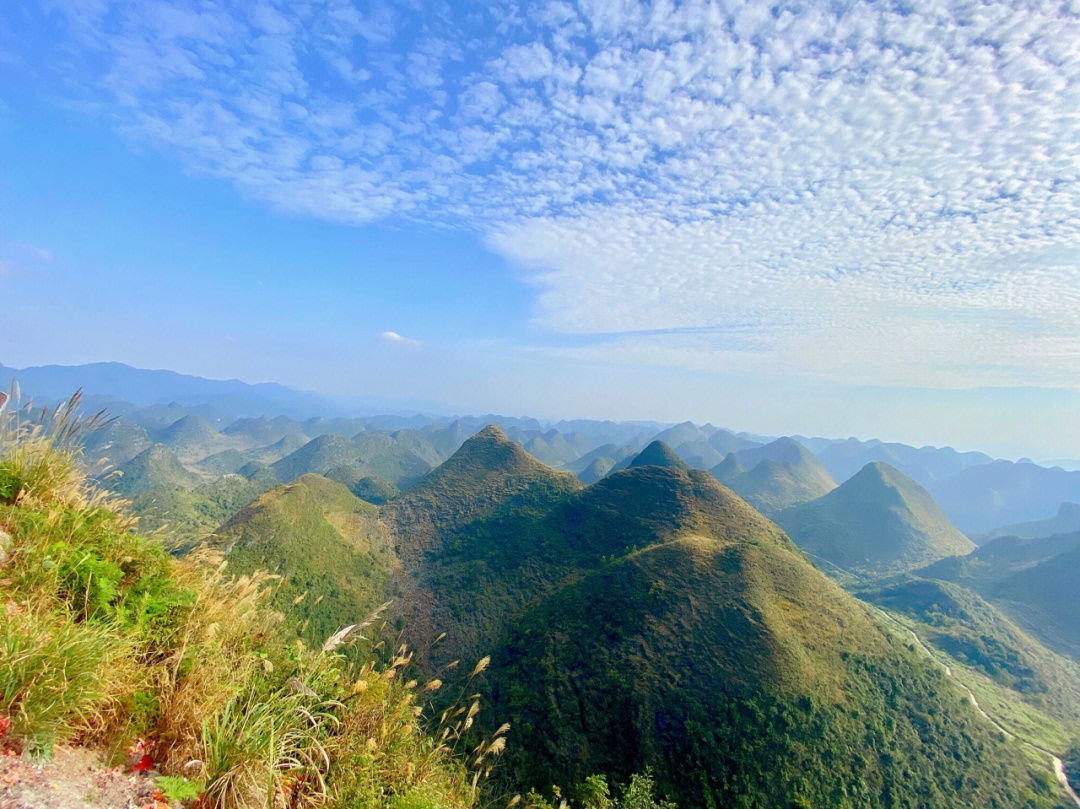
105,638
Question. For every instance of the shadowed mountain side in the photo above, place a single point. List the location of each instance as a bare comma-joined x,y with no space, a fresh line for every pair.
489,474
960,623
597,469
877,523
982,498
1033,581
1046,597
727,468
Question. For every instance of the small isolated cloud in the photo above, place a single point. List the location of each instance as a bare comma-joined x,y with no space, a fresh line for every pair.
394,337
41,252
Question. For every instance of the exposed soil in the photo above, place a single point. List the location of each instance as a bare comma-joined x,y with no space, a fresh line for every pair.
74,778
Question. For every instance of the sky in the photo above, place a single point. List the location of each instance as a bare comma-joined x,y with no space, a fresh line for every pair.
823,218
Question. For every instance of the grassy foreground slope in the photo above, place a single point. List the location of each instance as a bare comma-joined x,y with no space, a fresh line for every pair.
107,641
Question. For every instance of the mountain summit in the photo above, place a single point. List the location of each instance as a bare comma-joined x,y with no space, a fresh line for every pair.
657,454
880,522
782,473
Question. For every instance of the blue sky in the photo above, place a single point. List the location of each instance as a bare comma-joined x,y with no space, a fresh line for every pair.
799,217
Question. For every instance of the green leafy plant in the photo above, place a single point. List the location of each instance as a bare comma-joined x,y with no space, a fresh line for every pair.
177,788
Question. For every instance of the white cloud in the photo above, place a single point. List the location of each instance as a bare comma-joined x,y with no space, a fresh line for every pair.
394,337
865,193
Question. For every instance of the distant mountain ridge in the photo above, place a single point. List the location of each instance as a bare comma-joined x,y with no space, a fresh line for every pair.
982,498
780,474
1067,520
102,381
879,522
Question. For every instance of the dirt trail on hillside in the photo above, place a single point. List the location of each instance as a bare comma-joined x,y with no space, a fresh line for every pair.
1059,766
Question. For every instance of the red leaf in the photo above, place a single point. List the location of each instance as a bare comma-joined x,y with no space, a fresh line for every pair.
145,763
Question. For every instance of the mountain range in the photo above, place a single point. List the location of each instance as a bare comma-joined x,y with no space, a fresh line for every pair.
652,619
644,613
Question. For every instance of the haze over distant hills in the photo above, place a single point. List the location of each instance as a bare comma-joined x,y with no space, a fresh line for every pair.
878,522
608,575
230,424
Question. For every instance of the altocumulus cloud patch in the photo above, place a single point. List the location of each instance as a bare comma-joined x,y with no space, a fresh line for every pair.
880,193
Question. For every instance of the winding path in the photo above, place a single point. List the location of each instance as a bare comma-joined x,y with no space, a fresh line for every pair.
1059,766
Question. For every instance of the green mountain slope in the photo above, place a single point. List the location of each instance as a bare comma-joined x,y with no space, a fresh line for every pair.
233,460
191,437
690,635
1047,596
655,619
657,454
116,442
263,431
464,530
727,468
782,473
376,454
608,455
153,468
597,468
959,623
652,619
324,541
879,522
1033,581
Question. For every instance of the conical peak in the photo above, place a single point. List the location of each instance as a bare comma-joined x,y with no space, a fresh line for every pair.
657,454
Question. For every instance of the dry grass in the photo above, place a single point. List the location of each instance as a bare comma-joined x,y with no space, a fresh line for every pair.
107,640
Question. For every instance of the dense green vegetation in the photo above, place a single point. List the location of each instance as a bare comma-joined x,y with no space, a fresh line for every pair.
653,619
736,668
649,621
323,540
973,633
878,523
